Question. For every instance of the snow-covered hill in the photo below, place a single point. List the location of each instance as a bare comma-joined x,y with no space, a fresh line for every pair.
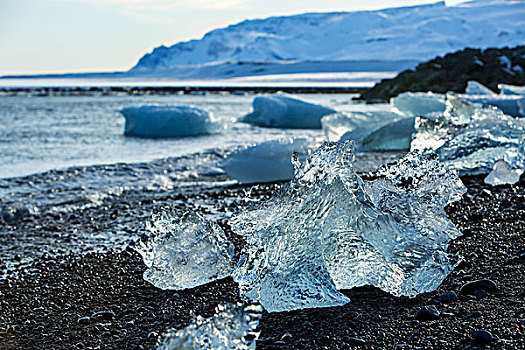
410,34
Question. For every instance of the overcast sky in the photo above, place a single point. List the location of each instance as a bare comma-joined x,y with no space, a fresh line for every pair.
55,36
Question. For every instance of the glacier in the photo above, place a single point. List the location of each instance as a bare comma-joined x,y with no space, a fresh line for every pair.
503,174
329,229
266,161
423,32
285,111
168,121
183,250
232,327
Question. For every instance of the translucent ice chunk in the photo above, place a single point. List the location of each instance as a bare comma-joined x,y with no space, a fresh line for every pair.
330,229
360,123
490,136
475,88
511,89
284,111
413,104
168,121
184,251
394,136
503,174
265,162
233,327
458,110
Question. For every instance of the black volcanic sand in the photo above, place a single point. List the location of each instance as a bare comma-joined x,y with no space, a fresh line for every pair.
99,300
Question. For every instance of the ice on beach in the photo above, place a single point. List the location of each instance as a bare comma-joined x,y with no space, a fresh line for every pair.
265,162
394,136
233,327
511,89
470,138
360,123
168,121
413,104
287,112
329,229
475,88
183,250
508,104
503,174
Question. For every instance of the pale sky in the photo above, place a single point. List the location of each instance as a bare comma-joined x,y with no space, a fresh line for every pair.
59,36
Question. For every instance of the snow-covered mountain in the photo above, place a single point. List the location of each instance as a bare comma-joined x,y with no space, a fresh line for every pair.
410,33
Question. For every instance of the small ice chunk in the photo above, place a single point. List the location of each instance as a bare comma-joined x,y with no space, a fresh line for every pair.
511,89
395,136
458,110
360,123
509,104
168,121
285,111
329,229
413,104
233,327
184,251
265,162
475,88
503,174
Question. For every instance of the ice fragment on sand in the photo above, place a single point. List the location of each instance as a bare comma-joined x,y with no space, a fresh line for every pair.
233,327
184,251
511,89
503,174
168,121
475,88
470,138
285,111
265,162
413,104
489,137
330,229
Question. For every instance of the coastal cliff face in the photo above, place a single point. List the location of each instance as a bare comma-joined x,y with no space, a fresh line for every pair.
415,33
452,72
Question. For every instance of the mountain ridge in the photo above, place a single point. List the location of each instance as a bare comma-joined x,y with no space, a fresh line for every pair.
404,33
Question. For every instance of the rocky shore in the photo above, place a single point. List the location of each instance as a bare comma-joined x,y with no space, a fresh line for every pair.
452,72
100,301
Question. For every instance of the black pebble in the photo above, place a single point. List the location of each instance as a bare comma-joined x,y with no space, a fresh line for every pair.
480,293
470,287
474,314
427,313
447,297
482,337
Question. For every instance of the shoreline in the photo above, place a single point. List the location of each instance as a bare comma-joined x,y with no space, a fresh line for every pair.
99,300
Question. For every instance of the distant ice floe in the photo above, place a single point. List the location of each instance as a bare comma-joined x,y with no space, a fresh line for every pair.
284,111
329,229
233,327
470,138
503,174
475,88
511,89
168,121
412,104
267,161
183,250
